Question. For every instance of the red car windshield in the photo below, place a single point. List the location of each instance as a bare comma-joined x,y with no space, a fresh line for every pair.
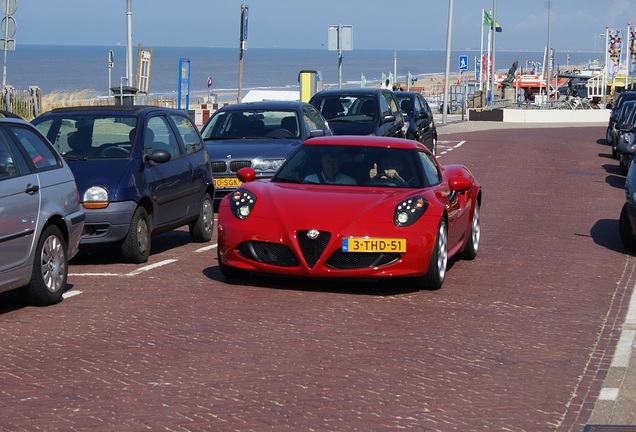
353,165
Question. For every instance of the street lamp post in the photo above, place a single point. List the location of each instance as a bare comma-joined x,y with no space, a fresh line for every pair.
449,33
494,84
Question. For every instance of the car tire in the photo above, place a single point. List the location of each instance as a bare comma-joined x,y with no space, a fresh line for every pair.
608,137
136,246
625,229
227,271
50,269
472,244
434,277
201,229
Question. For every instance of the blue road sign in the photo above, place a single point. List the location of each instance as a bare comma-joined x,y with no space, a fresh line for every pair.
463,62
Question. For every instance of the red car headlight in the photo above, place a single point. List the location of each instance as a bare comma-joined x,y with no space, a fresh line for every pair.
409,211
241,203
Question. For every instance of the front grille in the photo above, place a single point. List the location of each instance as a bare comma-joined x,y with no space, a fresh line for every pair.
312,249
237,165
268,253
355,260
219,167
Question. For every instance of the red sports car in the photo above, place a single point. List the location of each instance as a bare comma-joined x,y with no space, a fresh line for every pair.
352,207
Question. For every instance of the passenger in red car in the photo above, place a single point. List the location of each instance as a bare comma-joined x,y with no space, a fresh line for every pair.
330,174
390,168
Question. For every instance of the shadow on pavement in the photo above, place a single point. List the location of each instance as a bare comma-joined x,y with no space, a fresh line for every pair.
605,233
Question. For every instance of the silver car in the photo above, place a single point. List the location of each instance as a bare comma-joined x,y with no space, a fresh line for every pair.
40,216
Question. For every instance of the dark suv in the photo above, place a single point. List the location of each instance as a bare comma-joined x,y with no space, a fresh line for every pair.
419,117
615,107
361,111
140,170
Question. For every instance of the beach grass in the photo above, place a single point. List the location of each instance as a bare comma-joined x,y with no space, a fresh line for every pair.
60,99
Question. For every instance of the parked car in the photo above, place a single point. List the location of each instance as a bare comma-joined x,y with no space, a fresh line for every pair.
41,220
361,111
625,141
627,219
615,107
617,119
384,208
258,135
140,170
417,113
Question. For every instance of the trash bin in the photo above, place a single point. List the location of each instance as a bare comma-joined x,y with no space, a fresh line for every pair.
124,95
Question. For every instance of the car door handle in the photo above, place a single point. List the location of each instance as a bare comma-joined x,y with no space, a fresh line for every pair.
31,189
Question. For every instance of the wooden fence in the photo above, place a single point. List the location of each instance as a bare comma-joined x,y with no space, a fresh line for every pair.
30,103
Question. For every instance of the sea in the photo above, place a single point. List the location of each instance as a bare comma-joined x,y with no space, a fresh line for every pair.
67,68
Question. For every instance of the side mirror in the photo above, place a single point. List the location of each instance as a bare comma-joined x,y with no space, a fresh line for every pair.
316,133
460,184
158,156
626,128
388,119
246,174
624,148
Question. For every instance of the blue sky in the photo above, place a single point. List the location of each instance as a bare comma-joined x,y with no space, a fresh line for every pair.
575,25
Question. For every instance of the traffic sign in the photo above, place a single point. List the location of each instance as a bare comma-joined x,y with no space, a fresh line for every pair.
463,62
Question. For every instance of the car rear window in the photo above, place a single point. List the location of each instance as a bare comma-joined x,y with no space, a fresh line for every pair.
90,136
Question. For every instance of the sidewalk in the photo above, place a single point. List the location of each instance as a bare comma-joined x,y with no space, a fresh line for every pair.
616,404
615,408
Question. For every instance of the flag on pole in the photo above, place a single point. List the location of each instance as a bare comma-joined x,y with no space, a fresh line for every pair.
614,49
487,19
209,81
632,51
488,22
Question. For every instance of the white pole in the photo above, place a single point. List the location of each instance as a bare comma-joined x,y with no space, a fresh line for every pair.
627,56
549,60
489,60
395,80
339,56
606,74
481,50
494,50
129,56
449,33
6,45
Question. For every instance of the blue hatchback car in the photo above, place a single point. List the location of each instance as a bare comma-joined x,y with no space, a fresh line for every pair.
140,170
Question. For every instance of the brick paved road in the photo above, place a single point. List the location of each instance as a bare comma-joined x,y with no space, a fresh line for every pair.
519,339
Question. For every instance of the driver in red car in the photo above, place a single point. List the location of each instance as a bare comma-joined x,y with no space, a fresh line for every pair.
330,174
